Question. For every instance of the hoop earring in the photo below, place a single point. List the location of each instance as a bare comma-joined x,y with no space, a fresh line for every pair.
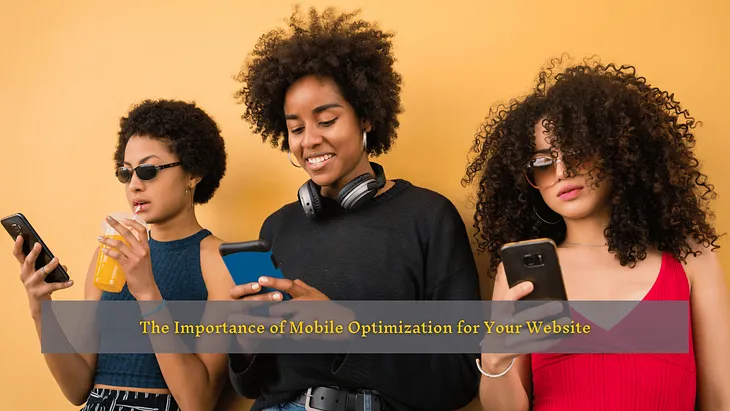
288,154
543,220
364,141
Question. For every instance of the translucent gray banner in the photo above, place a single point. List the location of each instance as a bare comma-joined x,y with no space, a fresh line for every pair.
366,327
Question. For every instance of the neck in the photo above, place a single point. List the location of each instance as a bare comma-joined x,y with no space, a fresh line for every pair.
362,167
588,230
182,225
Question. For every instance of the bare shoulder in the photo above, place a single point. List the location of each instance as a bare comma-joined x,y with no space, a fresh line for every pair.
210,244
215,274
704,266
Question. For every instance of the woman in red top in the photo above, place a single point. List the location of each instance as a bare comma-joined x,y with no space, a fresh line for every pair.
601,162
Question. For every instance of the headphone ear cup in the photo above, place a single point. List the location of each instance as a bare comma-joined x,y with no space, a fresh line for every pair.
310,200
316,199
357,192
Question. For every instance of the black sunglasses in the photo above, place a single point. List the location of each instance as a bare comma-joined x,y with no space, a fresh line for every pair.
144,171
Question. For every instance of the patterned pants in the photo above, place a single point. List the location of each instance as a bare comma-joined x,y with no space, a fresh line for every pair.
116,400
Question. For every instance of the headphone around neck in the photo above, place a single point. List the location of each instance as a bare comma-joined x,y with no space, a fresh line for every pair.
352,196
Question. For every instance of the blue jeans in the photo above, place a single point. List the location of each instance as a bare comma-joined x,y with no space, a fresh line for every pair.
287,406
293,406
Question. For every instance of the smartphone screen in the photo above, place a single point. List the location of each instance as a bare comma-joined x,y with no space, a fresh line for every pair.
247,261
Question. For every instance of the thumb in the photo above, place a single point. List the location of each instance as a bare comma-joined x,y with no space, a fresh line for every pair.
304,285
520,290
60,286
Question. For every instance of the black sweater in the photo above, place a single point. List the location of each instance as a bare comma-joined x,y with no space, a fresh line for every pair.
407,244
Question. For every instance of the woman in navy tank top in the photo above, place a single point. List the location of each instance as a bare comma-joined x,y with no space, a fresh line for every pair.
169,156
601,162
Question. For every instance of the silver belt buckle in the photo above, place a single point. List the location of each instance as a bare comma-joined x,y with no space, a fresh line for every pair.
307,405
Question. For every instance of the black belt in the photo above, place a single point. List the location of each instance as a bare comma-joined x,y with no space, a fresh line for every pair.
333,399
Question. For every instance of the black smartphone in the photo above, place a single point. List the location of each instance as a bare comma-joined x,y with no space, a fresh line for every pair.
248,260
16,225
535,261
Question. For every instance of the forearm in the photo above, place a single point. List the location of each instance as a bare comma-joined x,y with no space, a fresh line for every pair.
73,373
185,373
504,393
189,381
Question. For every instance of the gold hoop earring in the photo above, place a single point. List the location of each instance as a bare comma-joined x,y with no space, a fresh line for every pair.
288,154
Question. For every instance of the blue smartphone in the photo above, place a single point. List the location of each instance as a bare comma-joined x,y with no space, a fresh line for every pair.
248,260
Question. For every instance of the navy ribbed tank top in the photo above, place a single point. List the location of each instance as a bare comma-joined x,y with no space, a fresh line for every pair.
176,267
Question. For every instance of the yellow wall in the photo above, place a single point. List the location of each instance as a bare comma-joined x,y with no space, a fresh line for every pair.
69,69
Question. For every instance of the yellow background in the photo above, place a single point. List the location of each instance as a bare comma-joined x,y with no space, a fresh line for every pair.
70,69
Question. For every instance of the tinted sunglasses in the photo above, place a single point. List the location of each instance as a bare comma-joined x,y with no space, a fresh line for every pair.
542,169
145,172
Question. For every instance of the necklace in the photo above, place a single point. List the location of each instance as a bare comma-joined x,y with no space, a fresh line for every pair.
584,245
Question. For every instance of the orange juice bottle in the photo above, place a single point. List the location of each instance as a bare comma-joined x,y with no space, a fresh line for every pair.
109,275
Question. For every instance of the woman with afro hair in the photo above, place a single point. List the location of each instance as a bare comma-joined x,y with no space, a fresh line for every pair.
601,162
325,91
169,157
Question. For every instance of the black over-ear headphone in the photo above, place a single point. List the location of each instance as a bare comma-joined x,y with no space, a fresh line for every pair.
353,195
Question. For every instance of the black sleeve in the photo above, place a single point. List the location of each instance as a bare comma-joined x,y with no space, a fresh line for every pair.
429,381
246,373
244,376
451,271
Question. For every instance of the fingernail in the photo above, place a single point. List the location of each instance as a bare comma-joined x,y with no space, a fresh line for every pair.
255,286
263,280
99,238
109,218
70,282
526,286
277,296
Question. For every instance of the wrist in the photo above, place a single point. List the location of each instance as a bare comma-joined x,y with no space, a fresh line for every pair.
149,295
152,295
495,364
36,309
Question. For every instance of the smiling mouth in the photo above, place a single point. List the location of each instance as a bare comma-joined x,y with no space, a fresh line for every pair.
314,161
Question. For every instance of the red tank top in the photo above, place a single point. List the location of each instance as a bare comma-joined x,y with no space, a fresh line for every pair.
619,382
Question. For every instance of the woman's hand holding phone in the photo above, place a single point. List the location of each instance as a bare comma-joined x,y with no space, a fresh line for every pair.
307,313
33,280
293,310
251,293
523,342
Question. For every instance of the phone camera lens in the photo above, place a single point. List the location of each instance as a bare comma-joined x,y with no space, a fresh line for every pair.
532,260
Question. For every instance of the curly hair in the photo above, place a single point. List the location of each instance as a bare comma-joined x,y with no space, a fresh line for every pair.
356,54
642,138
189,132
